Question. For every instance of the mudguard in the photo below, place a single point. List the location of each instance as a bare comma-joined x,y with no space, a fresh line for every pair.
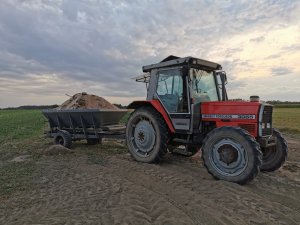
156,105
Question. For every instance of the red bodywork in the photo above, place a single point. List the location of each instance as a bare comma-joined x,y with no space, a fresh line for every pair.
158,106
232,113
226,113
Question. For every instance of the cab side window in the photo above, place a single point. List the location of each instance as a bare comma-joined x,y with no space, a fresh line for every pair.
170,90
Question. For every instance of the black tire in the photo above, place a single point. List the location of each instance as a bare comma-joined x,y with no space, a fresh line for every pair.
191,150
92,141
275,156
63,138
147,135
231,154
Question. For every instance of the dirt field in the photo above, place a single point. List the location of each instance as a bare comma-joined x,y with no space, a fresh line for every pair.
91,186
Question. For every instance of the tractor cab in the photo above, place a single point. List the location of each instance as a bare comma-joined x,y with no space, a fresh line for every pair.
181,85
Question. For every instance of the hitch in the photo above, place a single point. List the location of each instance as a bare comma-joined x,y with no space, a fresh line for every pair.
267,141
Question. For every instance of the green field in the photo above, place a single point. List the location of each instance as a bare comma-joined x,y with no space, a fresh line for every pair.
287,120
21,132
20,124
287,106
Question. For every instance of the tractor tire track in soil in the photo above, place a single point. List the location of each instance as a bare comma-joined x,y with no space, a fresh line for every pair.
177,191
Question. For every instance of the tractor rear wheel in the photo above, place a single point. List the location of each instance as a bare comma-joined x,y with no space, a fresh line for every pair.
63,138
231,154
275,156
147,135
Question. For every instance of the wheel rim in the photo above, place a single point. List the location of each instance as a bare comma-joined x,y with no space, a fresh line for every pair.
59,140
143,137
228,157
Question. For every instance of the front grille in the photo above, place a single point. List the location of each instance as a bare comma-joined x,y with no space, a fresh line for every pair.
267,120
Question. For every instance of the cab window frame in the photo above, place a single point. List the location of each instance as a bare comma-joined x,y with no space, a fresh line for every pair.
185,87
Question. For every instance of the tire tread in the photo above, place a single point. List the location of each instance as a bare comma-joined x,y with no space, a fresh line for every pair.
164,132
283,157
251,140
67,138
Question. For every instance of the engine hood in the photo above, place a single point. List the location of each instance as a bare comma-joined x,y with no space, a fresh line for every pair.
232,110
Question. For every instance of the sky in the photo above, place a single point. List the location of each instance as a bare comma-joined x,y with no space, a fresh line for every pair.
53,48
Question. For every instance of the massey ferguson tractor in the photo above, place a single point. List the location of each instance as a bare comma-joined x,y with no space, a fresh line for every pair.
187,105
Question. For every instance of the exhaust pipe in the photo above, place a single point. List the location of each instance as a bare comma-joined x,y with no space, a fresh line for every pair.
254,98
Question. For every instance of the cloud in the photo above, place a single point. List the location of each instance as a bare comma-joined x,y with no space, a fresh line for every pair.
292,47
257,39
269,88
278,71
97,46
274,56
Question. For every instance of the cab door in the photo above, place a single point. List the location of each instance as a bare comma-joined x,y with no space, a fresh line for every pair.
172,91
203,88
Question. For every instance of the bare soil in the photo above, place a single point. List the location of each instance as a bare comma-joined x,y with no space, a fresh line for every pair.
86,101
114,189
57,150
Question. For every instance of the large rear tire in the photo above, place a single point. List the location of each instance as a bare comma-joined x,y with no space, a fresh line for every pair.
231,154
275,156
147,135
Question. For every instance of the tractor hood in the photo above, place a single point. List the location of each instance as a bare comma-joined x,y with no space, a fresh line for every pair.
230,110
255,117
231,113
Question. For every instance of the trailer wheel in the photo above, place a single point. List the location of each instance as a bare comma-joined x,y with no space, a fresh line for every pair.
63,138
231,154
275,156
147,135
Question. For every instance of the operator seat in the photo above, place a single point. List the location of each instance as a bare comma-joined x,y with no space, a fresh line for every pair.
170,101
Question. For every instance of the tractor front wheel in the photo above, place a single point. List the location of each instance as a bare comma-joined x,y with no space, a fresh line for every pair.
231,154
275,156
147,135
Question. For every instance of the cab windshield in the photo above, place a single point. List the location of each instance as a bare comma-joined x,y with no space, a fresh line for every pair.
203,86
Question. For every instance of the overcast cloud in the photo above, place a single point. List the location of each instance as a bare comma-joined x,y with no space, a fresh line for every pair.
50,48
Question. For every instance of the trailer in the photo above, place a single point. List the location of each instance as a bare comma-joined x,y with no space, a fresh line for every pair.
66,126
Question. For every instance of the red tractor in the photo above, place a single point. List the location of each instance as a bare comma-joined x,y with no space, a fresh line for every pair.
187,105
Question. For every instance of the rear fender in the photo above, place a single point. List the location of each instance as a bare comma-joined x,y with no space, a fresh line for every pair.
158,107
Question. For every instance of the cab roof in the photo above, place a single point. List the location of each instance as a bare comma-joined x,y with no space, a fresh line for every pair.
177,61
